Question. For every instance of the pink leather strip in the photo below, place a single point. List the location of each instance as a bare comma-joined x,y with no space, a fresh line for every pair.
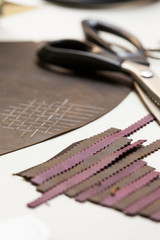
136,126
142,203
74,160
78,178
82,197
81,156
123,192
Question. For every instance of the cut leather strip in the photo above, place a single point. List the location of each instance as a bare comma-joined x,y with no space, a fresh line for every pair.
134,197
67,153
62,187
110,181
155,216
72,161
138,154
123,192
38,103
79,157
142,203
84,165
32,172
151,209
136,126
122,183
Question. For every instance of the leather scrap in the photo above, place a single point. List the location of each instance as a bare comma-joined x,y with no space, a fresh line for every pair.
134,197
122,183
38,103
137,154
73,161
81,156
82,197
129,189
67,153
83,165
142,203
136,126
151,209
62,187
112,174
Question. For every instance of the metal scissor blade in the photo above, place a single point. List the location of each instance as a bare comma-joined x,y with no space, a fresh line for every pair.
145,78
152,107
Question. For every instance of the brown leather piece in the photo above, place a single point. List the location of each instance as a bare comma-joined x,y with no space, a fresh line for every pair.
66,153
38,103
138,195
138,154
152,208
97,178
84,165
124,182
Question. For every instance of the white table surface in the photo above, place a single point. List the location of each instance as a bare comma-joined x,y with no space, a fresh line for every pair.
66,218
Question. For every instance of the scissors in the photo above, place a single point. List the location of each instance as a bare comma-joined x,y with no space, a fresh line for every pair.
96,54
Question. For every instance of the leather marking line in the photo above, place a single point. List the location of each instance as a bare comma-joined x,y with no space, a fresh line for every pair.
36,116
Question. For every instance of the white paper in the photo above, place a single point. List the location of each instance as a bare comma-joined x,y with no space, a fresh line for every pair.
26,227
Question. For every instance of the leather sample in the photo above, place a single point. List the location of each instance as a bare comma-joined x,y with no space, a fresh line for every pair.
110,181
62,187
78,147
87,152
83,165
142,203
114,175
136,196
122,183
124,162
68,152
151,209
37,103
74,160
122,193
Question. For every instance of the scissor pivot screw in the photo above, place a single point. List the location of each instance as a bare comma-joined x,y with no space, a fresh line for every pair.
147,74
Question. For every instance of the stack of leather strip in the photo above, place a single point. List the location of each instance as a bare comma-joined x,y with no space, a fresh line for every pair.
106,169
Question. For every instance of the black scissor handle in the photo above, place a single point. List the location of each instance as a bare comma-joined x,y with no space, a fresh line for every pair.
95,53
78,56
92,28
